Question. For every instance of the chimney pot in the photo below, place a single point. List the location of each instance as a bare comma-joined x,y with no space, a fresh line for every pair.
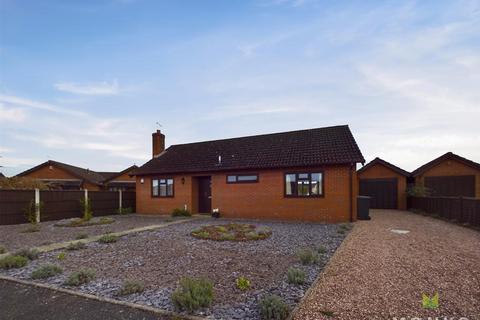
158,143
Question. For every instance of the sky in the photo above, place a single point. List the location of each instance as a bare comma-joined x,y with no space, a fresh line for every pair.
87,82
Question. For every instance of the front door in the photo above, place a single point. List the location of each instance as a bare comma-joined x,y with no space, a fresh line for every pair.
204,195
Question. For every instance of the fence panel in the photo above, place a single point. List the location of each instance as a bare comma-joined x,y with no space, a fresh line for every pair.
129,200
104,203
13,204
463,210
57,205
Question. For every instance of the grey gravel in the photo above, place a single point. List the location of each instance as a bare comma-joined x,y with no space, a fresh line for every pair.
160,258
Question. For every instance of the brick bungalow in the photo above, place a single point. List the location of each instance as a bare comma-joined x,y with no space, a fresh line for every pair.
307,175
62,176
385,183
450,175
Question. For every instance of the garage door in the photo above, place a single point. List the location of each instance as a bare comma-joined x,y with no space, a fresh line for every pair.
453,186
382,191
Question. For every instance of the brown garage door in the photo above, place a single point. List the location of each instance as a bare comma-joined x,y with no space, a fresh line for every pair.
382,191
452,186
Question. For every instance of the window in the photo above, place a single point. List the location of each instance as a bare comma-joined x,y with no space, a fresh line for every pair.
162,187
304,184
242,178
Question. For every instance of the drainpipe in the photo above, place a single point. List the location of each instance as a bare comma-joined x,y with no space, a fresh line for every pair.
351,192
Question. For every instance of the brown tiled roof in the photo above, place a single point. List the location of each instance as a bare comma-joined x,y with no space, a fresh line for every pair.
303,148
112,175
386,164
446,156
85,174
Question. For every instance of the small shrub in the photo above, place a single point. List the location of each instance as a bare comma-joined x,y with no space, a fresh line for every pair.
86,206
203,234
193,294
46,271
345,226
242,283
341,231
108,238
81,236
418,191
125,210
2,250
76,246
31,228
322,250
327,313
181,213
296,276
61,256
131,287
12,262
30,254
31,211
80,277
307,256
273,308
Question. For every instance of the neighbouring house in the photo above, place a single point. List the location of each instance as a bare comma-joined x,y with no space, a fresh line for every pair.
385,183
62,176
307,175
449,175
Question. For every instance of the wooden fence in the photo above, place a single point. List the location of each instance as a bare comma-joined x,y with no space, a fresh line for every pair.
56,205
460,209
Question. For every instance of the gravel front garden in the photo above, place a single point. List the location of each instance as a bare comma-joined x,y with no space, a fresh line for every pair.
155,261
14,237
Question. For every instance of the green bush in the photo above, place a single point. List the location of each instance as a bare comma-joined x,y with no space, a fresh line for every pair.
242,283
86,206
61,256
273,308
81,236
322,250
31,211
80,277
296,276
46,271
181,213
31,228
130,287
125,210
2,250
30,254
193,294
12,262
76,246
307,256
418,191
108,238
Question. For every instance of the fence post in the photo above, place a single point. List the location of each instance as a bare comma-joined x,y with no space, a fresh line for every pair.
120,201
37,205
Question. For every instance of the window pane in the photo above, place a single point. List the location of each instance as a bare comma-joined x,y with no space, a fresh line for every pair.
247,178
170,187
162,180
304,188
290,181
232,178
163,190
317,184
155,187
303,176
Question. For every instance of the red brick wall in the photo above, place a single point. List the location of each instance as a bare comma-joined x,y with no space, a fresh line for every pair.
451,168
264,199
379,171
124,177
53,172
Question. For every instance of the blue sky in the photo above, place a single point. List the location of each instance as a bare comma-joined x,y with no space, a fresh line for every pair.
85,82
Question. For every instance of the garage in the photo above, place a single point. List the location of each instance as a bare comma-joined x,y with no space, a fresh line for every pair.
383,192
385,183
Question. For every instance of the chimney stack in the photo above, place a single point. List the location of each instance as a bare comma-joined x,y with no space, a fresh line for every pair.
158,143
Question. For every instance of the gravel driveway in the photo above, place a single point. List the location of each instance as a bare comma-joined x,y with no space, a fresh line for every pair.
12,237
379,274
160,258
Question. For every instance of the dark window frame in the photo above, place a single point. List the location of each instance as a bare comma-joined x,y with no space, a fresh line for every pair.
297,173
166,184
240,175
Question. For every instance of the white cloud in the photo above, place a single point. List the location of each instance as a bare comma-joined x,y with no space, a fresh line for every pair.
91,89
16,115
37,105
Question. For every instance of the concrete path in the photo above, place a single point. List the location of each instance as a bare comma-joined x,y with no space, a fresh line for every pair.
386,264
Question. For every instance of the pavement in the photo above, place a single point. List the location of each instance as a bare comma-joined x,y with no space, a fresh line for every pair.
25,302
